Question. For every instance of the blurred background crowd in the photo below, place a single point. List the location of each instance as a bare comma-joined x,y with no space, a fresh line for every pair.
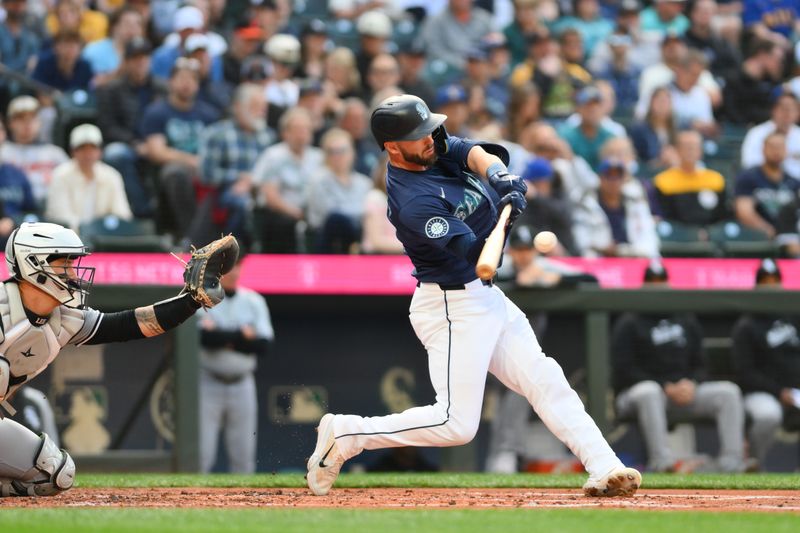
667,127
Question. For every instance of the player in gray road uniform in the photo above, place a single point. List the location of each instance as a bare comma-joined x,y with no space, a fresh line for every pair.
232,334
42,310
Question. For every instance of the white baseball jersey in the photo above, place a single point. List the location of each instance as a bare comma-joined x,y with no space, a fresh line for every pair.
30,348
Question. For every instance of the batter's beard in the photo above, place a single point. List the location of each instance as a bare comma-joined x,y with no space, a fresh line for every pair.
420,160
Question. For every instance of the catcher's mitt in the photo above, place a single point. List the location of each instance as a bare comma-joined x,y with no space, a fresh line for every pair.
207,265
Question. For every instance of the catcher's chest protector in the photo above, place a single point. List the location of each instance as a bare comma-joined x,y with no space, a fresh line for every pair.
30,348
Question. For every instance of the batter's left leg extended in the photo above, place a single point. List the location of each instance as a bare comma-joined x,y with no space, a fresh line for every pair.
31,465
522,366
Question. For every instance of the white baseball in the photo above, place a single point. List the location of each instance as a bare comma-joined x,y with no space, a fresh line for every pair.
545,241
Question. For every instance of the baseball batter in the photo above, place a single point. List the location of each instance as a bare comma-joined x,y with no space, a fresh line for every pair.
444,197
42,310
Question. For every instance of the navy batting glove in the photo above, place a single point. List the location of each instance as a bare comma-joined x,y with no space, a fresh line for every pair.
440,137
503,182
518,204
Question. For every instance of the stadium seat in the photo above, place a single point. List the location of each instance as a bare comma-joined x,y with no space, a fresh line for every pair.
735,240
112,234
684,240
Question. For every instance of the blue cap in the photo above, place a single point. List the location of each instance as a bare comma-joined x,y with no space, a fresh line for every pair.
450,94
590,93
610,164
538,169
477,54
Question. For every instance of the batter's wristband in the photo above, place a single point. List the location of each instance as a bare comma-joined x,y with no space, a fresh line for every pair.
495,168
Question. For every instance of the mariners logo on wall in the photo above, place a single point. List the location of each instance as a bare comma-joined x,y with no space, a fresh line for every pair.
436,227
423,113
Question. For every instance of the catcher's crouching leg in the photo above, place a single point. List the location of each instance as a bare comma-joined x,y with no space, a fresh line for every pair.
32,465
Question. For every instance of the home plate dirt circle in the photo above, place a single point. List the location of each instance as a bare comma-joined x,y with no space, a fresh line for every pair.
393,498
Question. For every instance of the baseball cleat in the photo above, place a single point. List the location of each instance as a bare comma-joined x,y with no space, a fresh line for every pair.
325,462
620,482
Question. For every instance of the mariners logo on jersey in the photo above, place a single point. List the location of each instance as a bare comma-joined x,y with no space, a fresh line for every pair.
468,206
436,227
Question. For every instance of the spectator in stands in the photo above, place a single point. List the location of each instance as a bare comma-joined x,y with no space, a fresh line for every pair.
355,121
691,104
105,55
644,48
787,228
766,351
342,79
665,16
762,191
572,48
120,106
748,95
37,160
243,44
217,44
228,152
85,189
374,30
312,99
284,52
673,50
16,195
188,20
449,35
19,37
549,209
523,109
336,196
453,101
411,59
785,114
314,44
689,193
588,21
74,17
62,67
383,73
216,94
615,221
574,172
620,72
659,373
172,129
283,172
266,15
775,21
486,95
608,104
378,235
499,57
587,137
653,137
557,79
527,21
722,56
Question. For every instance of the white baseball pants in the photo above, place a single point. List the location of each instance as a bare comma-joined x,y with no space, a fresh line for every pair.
467,333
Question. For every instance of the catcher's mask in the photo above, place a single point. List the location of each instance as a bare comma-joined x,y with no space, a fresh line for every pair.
48,256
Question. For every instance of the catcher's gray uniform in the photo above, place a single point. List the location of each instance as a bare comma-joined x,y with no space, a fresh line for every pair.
227,386
29,463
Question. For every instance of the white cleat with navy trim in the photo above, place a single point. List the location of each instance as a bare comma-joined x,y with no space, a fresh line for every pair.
325,462
619,482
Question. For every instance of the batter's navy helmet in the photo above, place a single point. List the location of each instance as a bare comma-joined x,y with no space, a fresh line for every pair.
403,118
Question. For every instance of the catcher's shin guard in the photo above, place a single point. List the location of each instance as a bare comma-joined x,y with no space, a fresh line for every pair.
52,471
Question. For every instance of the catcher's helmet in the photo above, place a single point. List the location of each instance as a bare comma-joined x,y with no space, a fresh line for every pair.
403,118
32,247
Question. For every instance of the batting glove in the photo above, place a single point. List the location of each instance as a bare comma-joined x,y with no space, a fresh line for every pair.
518,204
503,182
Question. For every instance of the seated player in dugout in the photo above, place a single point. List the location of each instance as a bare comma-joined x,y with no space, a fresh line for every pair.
42,308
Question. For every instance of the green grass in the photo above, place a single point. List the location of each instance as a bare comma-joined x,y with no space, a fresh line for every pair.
357,521
651,481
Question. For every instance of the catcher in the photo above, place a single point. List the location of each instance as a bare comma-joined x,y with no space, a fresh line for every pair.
42,310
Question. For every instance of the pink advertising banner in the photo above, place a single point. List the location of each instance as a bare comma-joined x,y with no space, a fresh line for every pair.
387,275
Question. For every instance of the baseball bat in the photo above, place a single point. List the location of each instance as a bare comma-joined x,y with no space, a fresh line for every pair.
493,247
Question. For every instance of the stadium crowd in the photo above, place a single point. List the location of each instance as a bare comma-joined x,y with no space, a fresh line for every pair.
668,127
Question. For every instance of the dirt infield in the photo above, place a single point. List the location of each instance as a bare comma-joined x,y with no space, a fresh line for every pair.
676,500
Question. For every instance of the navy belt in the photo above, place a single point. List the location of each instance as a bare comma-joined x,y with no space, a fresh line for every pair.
461,287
